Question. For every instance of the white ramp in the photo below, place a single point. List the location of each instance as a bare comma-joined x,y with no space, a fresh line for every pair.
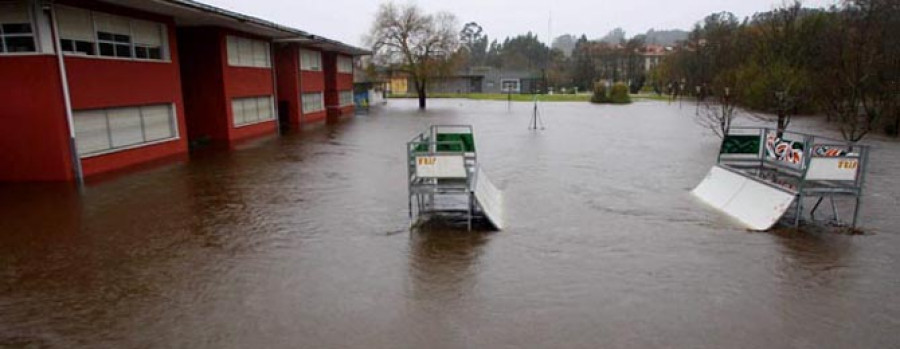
489,198
755,204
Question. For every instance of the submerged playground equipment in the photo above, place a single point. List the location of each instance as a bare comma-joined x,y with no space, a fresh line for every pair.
762,176
444,177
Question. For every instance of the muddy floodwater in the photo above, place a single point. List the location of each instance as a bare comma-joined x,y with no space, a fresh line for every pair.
303,241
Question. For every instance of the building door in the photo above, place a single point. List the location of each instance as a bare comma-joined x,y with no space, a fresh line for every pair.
284,118
475,85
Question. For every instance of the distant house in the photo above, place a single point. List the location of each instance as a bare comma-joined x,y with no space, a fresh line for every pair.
653,55
481,80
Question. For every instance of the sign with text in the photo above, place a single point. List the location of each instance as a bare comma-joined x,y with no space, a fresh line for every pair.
832,169
440,166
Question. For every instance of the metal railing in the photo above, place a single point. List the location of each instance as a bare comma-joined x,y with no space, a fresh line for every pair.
785,160
422,190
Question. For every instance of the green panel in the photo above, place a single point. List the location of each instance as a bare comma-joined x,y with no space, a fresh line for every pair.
740,144
422,147
467,140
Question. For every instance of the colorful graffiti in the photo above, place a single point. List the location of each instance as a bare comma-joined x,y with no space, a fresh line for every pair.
829,151
783,149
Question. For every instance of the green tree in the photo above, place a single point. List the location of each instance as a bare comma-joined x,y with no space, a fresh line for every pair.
858,76
474,44
584,73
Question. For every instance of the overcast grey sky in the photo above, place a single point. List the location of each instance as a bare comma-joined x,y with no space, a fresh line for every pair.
349,20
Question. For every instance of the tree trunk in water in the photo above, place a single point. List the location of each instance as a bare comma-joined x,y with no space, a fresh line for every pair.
421,93
781,124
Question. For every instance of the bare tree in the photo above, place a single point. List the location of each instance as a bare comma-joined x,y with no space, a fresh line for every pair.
718,111
419,44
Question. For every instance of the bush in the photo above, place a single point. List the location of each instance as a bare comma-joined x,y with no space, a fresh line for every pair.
619,94
599,94
891,130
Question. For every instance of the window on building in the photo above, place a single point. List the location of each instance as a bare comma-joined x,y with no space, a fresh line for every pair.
243,52
345,65
16,29
104,130
346,98
310,60
76,30
93,33
509,85
147,39
246,111
312,102
113,36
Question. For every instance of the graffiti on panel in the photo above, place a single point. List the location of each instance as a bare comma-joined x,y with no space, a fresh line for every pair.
827,151
784,149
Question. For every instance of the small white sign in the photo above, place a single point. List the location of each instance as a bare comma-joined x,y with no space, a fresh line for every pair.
440,166
832,169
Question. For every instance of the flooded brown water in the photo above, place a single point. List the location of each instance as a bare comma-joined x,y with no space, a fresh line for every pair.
302,241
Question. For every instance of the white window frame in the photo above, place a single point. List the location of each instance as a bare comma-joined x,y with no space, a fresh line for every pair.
259,120
163,32
341,101
321,103
504,89
233,52
33,35
345,65
173,122
305,66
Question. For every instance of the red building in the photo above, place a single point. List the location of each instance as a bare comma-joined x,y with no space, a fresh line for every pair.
96,86
229,84
311,88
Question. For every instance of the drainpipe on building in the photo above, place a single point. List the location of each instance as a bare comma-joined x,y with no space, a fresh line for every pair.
64,81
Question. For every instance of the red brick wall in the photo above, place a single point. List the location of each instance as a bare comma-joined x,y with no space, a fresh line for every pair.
246,82
210,85
40,148
335,83
34,139
314,81
204,87
104,83
287,68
